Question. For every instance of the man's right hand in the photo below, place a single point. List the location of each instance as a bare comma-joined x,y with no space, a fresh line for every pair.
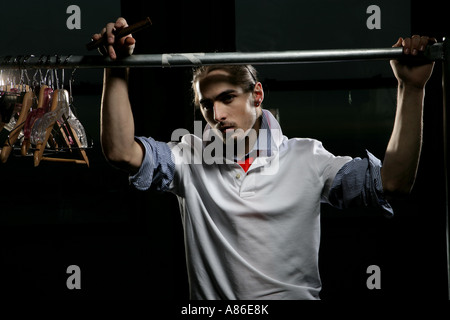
115,48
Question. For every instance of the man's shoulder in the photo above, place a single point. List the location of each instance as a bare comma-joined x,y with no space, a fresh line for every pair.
303,143
188,139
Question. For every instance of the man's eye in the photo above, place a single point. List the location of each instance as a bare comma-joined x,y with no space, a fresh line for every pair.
207,105
228,98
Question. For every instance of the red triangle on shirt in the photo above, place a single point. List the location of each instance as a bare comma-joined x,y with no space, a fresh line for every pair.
246,164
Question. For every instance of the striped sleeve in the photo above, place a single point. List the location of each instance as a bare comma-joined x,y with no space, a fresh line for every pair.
358,184
157,169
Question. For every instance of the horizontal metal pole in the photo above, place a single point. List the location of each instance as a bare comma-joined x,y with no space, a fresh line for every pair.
433,53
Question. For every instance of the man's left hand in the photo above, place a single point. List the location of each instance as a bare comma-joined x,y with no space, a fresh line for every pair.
412,74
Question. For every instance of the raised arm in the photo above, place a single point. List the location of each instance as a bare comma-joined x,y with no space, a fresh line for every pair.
403,151
117,125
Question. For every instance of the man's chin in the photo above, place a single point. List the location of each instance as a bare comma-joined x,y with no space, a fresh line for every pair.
233,138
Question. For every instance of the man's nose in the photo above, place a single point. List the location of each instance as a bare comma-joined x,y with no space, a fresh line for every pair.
219,112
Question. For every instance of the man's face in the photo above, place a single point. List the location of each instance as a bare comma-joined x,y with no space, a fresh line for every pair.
226,107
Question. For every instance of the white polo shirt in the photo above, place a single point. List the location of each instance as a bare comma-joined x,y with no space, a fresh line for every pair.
254,234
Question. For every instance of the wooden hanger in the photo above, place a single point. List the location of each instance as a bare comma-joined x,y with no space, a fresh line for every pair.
44,127
59,97
79,148
11,97
14,134
29,120
11,105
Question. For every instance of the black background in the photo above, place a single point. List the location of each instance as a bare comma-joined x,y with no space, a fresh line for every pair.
129,244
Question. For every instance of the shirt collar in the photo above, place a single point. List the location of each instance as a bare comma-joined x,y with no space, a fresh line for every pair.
269,138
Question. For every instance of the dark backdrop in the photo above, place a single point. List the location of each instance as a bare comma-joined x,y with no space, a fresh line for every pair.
129,244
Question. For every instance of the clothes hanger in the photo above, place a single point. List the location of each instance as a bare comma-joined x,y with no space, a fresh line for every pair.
44,101
49,123
79,135
12,96
10,102
17,125
77,129
44,126
71,126
14,133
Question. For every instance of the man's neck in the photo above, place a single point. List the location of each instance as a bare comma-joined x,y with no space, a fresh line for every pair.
251,139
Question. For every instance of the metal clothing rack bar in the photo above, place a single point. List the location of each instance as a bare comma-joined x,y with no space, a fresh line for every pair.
434,52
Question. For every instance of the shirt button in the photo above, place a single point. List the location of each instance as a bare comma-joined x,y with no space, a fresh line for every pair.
238,176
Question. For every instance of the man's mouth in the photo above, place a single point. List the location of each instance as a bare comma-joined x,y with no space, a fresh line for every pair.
225,129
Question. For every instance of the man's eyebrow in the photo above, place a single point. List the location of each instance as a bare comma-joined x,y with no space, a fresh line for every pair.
219,96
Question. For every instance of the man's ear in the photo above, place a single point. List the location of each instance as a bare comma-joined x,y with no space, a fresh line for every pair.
258,94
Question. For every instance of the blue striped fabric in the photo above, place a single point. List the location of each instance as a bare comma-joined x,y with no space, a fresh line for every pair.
358,184
157,167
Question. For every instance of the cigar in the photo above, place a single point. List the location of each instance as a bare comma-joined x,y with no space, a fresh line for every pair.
121,33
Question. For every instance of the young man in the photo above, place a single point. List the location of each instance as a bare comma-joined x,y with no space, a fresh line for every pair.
251,214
